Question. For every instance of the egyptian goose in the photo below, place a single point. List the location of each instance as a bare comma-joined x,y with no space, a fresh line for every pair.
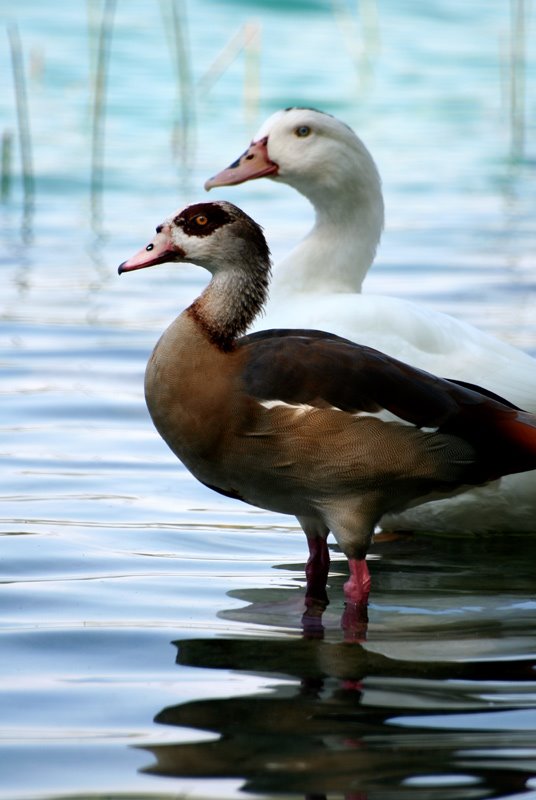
319,283
304,422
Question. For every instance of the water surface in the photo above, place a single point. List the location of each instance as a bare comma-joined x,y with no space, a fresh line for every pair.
151,634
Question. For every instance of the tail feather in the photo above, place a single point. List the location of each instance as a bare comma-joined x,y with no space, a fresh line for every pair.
521,429
511,444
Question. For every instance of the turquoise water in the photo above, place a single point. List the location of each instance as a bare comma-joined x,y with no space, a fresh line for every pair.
150,630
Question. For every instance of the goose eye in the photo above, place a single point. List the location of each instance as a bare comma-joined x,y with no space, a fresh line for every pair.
201,219
303,130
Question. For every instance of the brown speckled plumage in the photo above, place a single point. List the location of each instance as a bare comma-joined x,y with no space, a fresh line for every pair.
304,422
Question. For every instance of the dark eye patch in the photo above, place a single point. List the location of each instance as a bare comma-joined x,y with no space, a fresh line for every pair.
202,219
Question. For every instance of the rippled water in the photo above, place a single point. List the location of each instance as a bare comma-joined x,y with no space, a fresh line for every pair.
151,641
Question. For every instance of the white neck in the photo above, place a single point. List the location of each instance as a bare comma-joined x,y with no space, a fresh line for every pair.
337,253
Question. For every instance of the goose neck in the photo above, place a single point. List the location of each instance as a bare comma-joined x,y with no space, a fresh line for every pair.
337,253
230,303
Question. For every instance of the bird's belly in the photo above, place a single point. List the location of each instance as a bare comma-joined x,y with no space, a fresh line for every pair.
269,492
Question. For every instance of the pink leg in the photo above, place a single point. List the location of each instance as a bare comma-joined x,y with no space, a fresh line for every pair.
356,591
316,571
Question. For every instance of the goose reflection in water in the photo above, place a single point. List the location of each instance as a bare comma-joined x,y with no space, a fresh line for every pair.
438,704
334,728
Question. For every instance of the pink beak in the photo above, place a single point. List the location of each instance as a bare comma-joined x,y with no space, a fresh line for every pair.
254,163
160,250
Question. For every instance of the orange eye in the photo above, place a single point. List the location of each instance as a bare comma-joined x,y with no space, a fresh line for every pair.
201,219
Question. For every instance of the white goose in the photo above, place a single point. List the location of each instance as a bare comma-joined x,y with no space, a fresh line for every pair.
319,285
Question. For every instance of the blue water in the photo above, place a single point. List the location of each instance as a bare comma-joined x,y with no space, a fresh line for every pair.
150,630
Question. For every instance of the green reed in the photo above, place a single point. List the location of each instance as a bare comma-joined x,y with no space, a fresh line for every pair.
246,40
24,132
7,167
98,122
184,127
360,33
517,77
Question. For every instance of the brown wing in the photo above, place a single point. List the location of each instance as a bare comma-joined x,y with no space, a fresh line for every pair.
321,369
311,366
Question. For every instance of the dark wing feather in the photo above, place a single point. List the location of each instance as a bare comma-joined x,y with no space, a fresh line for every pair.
486,392
317,368
320,368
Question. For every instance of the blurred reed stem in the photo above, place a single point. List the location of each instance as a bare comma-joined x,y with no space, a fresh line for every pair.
246,39
99,110
252,70
361,35
175,25
93,14
7,166
517,77
23,123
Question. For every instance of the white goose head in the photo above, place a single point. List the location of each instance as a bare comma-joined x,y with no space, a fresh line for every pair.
324,160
